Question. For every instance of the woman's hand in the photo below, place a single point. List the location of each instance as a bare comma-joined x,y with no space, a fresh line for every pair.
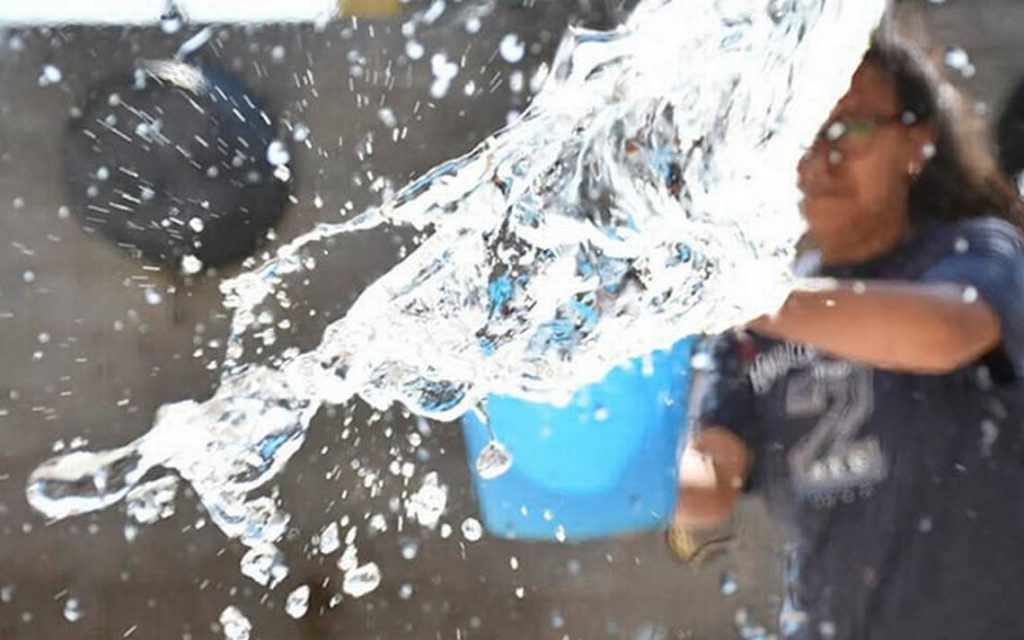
713,470
929,328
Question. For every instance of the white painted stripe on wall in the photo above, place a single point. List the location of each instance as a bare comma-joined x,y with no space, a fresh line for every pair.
258,10
140,12
81,11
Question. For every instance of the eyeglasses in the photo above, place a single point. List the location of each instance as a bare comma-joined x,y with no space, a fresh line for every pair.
852,135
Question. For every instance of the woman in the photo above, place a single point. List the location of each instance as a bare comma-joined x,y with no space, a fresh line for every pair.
879,411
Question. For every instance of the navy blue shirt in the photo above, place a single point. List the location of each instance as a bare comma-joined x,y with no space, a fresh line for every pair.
903,493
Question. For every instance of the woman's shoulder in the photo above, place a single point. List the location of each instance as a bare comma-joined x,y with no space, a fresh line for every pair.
988,224
984,234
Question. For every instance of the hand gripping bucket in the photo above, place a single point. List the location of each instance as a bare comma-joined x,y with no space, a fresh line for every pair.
603,465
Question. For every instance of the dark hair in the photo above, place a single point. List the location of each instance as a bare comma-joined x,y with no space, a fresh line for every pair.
1010,134
962,179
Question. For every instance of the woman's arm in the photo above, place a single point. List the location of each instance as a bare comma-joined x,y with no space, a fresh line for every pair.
917,327
711,477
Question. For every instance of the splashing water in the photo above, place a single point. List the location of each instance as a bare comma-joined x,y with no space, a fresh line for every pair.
646,194
361,580
330,540
234,624
298,602
427,505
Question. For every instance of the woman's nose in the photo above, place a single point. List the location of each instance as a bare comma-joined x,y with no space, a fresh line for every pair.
817,162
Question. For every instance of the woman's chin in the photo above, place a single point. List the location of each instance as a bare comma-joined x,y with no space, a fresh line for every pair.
826,217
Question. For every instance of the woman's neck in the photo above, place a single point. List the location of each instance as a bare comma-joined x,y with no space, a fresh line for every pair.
852,249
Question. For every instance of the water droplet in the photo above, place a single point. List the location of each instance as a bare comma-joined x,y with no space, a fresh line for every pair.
728,584
600,414
349,559
405,591
277,153
50,75
153,296
827,628
362,580
557,619
329,539
298,602
378,523
512,48
234,624
471,529
300,133
72,610
427,505
410,547
264,564
191,265
989,436
702,361
433,12
516,81
414,50
956,58
493,461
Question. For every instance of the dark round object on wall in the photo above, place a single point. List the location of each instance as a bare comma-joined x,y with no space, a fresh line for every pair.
179,163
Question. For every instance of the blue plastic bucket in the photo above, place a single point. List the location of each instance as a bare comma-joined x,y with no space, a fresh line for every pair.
603,465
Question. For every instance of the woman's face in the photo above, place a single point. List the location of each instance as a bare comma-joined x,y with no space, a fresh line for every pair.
857,174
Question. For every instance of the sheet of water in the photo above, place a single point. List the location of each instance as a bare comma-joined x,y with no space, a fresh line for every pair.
646,194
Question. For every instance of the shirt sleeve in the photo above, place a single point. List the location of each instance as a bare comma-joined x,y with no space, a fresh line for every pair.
987,254
725,396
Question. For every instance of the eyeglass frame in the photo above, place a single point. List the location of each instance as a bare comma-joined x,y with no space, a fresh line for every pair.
832,140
